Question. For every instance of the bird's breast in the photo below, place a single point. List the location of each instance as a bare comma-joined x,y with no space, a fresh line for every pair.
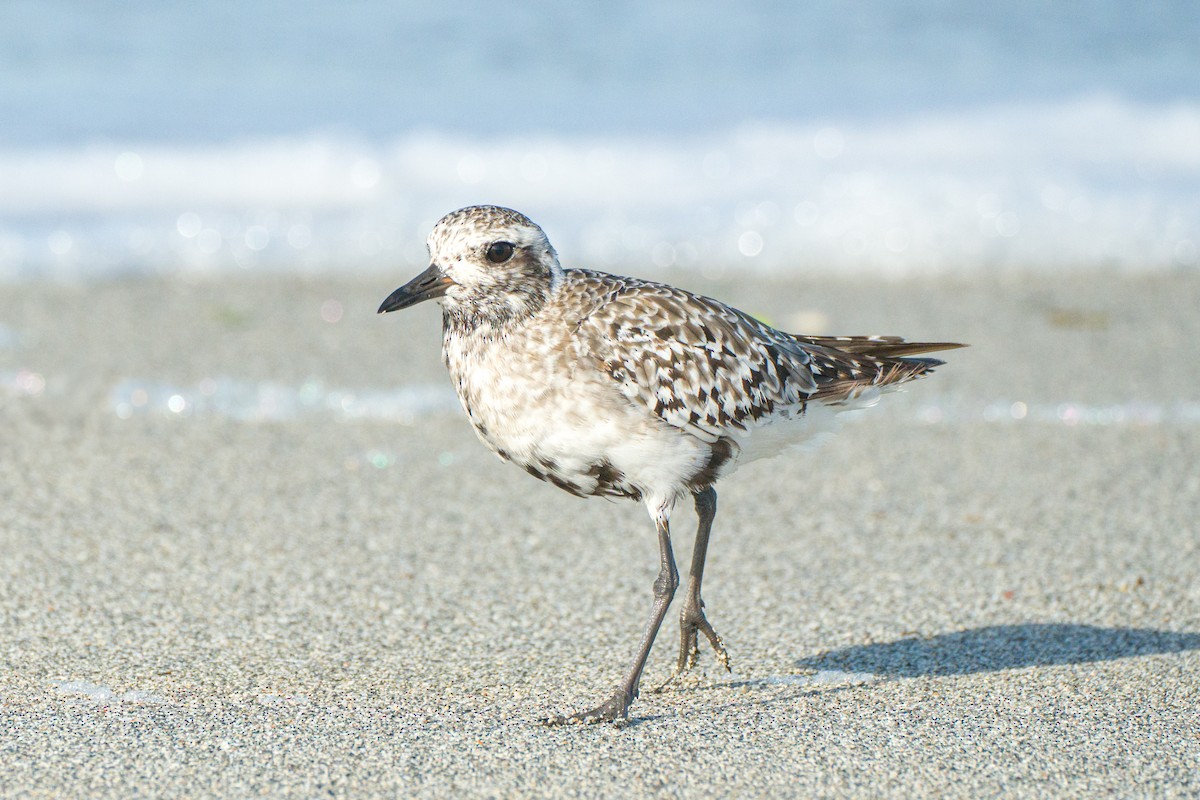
542,406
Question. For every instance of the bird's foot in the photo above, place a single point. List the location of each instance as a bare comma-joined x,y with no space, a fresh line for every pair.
615,710
692,622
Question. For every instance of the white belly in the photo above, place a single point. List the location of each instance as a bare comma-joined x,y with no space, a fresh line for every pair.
580,434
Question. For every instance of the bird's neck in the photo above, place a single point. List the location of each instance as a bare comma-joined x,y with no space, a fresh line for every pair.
495,316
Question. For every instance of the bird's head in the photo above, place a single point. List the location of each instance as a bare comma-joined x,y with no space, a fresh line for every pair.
486,263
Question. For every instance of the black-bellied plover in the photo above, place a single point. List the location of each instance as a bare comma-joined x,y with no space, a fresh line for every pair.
612,386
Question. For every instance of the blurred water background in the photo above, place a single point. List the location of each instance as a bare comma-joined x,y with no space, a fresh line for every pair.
887,138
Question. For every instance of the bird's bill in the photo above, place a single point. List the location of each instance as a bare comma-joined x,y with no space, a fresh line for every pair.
428,285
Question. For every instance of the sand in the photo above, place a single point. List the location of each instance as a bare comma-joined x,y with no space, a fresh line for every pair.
944,601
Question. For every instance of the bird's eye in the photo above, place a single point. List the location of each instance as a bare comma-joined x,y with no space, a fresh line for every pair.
499,252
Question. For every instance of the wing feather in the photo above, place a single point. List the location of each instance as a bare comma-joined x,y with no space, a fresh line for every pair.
714,371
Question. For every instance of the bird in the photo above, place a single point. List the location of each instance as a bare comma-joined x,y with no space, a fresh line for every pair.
618,387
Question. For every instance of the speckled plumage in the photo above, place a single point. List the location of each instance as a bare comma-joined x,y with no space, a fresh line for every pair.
613,386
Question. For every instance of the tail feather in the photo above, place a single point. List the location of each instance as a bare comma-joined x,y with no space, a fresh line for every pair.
877,346
848,373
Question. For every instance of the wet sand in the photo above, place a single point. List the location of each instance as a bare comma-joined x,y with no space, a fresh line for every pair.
986,586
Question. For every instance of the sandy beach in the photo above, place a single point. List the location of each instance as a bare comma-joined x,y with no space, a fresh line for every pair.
291,581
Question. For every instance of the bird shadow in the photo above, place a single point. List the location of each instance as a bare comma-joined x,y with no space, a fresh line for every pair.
979,650
1000,647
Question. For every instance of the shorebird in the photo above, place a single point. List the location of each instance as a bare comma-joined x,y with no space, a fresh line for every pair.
612,386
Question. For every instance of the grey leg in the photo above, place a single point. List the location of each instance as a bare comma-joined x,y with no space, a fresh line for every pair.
616,707
691,617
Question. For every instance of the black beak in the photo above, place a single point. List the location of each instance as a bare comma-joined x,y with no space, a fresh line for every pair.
429,284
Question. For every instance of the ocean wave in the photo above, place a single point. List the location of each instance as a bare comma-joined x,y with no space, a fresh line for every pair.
1094,183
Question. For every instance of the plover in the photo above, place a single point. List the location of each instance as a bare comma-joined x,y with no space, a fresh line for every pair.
619,387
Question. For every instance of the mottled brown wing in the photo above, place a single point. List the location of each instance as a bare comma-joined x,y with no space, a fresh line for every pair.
708,368
694,362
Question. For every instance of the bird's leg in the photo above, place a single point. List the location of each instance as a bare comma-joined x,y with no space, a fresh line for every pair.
616,707
691,617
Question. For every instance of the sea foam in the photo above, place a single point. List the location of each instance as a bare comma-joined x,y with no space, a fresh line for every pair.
1091,183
